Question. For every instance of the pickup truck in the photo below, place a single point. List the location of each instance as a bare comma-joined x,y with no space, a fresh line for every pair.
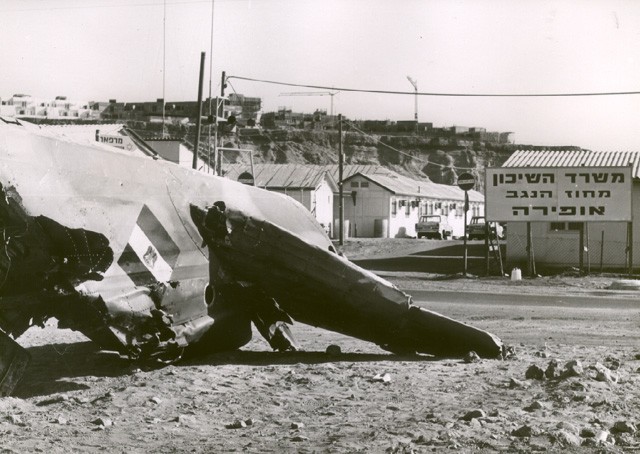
433,226
476,229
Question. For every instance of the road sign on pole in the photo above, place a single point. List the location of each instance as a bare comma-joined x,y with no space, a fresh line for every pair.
466,181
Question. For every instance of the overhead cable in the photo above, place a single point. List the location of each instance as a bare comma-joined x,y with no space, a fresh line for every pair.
414,93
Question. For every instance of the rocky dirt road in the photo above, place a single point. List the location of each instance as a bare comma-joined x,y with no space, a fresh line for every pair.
573,384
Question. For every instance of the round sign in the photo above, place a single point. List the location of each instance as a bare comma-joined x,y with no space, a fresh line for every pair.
466,181
246,178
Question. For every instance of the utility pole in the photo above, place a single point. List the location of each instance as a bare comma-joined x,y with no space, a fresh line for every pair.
219,113
194,164
340,185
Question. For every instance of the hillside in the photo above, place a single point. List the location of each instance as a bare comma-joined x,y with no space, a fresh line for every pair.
440,158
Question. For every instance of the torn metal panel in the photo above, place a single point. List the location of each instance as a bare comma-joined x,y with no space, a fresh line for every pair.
320,288
13,362
42,263
46,267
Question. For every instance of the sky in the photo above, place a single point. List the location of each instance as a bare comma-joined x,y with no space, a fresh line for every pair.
141,50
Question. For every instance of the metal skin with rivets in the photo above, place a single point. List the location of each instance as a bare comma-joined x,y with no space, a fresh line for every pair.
148,258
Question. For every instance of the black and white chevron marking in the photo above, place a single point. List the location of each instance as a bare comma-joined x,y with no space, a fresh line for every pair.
151,254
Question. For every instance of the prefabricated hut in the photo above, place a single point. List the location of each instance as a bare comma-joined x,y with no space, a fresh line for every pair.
310,185
557,243
387,204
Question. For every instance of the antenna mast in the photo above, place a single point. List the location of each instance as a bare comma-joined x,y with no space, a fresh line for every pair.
164,64
415,87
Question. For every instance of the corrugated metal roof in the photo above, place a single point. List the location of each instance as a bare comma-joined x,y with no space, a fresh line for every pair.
309,176
276,176
575,158
401,185
352,169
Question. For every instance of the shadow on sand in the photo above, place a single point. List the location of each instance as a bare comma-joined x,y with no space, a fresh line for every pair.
53,367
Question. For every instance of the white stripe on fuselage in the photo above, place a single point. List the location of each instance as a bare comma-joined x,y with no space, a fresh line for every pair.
149,255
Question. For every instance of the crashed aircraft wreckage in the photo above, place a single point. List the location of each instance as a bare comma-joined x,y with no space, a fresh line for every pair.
148,258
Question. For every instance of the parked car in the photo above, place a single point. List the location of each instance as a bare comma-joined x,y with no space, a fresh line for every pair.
433,226
476,229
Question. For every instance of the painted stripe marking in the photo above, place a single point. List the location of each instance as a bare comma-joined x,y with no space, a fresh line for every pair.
150,254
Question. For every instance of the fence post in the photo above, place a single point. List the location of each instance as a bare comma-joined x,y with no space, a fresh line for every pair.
586,238
531,260
581,249
630,246
601,251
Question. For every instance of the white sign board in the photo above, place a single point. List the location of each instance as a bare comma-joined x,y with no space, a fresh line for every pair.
573,194
116,140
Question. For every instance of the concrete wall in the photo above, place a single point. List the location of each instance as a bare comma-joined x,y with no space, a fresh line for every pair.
403,223
297,194
322,201
169,150
174,151
371,202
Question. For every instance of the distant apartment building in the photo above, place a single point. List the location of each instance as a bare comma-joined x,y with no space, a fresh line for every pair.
245,109
496,137
285,118
459,129
25,106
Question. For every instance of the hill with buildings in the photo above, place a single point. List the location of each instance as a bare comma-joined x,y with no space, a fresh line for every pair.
414,149
438,158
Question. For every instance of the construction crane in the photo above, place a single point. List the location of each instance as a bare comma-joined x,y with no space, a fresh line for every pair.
415,86
313,93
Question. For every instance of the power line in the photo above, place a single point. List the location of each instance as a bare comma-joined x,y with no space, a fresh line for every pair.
415,93
118,5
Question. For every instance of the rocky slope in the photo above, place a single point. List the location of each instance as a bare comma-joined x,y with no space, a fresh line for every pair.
439,158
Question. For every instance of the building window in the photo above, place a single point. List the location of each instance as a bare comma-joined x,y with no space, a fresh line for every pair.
355,184
407,208
565,226
394,208
445,209
364,184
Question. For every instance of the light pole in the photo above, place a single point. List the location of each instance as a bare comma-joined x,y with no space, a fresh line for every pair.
415,107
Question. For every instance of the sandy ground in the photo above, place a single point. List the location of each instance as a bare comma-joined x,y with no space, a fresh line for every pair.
74,398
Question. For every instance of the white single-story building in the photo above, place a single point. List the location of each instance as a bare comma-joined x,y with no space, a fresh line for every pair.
557,244
387,204
310,185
